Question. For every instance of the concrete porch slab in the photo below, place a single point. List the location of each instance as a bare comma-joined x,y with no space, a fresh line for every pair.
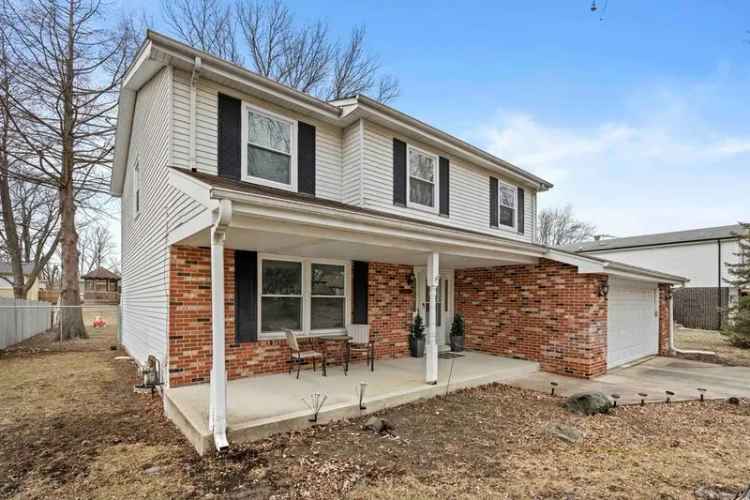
261,406
653,377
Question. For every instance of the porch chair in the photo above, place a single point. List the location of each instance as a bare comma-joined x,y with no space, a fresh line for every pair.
299,357
360,342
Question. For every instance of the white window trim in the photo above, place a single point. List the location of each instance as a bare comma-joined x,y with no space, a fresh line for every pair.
137,191
435,194
306,330
292,186
514,227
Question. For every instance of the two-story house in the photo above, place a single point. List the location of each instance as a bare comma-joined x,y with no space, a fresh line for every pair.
249,208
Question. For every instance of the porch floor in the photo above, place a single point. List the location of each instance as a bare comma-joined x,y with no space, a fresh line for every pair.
260,406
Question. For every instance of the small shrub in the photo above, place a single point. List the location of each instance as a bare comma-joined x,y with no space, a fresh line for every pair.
457,327
417,327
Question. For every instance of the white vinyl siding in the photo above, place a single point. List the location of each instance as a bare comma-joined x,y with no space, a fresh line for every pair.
144,257
328,139
469,188
145,254
351,177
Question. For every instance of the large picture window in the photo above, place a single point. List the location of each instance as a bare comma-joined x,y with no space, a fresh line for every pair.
281,295
507,199
270,149
302,294
422,178
327,296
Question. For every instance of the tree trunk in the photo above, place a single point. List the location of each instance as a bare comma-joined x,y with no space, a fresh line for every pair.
71,318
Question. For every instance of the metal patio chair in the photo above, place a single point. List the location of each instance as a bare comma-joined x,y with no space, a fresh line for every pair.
360,342
299,357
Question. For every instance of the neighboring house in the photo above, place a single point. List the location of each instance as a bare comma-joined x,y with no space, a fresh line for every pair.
285,211
6,281
101,286
701,255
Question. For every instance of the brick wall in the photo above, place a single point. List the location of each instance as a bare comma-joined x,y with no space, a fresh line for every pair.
389,308
389,314
545,312
664,292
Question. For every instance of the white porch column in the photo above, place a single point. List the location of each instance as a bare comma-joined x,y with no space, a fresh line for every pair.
218,399
431,349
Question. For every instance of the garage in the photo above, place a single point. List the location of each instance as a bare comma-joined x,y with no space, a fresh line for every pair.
632,321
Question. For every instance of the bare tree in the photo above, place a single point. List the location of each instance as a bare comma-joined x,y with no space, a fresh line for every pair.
72,67
28,229
558,227
205,24
302,56
96,247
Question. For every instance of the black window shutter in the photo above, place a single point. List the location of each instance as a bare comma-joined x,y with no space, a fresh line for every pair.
360,278
306,158
493,202
521,211
445,195
399,172
229,154
246,296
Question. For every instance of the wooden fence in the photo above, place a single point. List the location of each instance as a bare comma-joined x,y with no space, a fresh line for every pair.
21,319
701,307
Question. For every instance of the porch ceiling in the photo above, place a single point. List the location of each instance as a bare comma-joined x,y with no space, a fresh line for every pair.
306,243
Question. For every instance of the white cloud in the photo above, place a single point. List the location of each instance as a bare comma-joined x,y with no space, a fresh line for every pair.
650,171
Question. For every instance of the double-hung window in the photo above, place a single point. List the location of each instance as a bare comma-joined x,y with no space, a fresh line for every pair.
270,149
422,179
327,296
507,200
281,295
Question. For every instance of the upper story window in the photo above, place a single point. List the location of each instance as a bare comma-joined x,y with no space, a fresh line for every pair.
507,200
270,153
136,189
422,179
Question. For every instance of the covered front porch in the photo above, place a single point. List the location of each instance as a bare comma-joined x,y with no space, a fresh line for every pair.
261,406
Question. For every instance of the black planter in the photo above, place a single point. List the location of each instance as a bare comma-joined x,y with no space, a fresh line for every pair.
416,347
457,343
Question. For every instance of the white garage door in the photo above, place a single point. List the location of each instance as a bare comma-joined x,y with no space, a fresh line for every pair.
632,322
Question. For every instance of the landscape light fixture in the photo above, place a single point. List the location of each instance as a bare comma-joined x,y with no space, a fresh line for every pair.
360,390
615,397
701,390
554,385
643,396
669,396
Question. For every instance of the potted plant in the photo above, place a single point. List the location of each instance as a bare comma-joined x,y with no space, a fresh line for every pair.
457,333
416,337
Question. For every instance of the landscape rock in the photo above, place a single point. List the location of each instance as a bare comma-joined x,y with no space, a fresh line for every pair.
715,493
565,432
152,470
377,424
588,403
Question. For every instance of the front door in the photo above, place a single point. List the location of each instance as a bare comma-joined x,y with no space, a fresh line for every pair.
444,302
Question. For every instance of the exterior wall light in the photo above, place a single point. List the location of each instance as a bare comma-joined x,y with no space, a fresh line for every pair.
604,290
410,279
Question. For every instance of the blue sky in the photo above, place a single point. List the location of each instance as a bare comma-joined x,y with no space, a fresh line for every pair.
639,119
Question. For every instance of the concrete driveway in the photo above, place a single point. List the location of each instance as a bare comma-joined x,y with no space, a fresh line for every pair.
653,377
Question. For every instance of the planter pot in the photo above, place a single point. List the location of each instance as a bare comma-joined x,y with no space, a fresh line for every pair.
416,347
457,343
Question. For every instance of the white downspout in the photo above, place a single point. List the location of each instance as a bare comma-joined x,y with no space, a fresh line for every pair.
217,422
194,109
672,348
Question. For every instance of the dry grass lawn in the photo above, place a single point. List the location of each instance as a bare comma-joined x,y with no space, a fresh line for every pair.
710,340
71,427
